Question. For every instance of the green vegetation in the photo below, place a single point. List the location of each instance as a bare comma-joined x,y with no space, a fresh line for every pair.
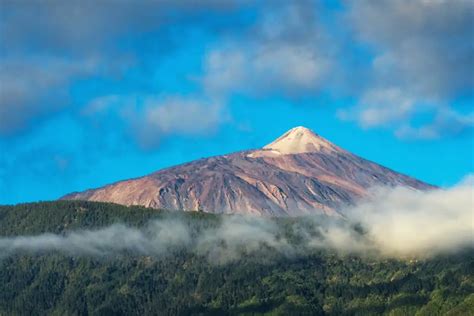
184,283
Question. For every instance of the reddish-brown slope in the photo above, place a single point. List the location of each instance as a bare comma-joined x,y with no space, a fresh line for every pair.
300,173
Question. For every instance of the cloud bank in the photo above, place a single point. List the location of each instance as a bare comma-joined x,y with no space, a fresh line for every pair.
48,47
401,221
406,56
393,223
423,56
287,52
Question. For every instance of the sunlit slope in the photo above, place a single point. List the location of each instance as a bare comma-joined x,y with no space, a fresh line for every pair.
299,173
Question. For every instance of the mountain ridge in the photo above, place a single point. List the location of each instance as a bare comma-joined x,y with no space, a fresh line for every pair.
299,173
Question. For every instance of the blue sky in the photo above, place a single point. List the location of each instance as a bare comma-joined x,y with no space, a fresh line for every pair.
93,92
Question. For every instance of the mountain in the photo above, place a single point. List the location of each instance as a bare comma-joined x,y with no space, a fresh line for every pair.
299,173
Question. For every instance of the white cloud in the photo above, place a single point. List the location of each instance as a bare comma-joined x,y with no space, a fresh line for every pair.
446,122
157,118
177,115
378,107
424,55
157,238
151,118
295,67
35,87
397,222
262,70
287,53
405,222
46,46
101,104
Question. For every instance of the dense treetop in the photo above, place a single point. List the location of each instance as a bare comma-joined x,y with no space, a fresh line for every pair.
320,282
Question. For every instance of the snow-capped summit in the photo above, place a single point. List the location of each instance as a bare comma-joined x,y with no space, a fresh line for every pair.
300,140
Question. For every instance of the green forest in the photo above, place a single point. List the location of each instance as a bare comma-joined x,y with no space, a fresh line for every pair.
319,282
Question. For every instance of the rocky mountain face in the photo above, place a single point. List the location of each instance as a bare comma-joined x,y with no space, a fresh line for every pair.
299,173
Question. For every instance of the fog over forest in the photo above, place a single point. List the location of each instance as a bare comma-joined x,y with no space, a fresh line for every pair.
393,222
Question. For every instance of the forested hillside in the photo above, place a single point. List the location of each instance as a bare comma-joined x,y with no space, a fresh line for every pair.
182,282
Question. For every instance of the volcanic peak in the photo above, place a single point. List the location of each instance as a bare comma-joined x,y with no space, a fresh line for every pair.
297,140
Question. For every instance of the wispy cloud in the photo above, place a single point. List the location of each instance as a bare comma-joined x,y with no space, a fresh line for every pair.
395,222
157,238
423,60
288,51
417,53
401,221
150,118
47,47
36,87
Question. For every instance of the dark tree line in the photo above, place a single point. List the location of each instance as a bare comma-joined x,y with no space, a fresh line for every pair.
318,283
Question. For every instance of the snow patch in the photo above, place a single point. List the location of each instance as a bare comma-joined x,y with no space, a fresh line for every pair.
300,140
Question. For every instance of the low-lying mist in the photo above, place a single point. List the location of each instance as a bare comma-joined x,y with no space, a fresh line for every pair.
393,222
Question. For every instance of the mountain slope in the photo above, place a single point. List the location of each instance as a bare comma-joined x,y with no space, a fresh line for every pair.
299,173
